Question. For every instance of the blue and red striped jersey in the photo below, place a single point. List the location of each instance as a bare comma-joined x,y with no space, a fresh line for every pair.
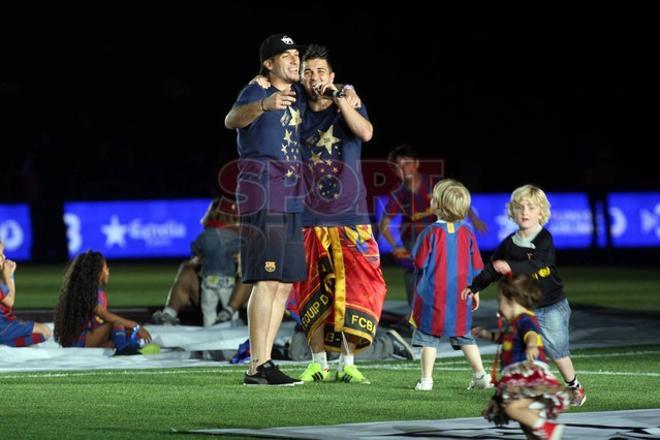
447,259
6,312
513,339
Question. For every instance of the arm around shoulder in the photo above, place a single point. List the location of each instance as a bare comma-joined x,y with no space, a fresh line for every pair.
358,123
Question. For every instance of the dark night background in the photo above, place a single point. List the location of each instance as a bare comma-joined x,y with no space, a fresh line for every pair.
103,108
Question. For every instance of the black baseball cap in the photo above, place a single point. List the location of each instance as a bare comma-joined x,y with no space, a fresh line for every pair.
275,44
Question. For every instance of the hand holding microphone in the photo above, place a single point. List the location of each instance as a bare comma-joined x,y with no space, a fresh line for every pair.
329,91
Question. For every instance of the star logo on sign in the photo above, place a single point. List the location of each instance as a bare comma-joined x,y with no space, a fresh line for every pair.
115,232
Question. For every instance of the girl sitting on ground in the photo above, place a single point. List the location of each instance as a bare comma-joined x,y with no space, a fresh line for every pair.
82,318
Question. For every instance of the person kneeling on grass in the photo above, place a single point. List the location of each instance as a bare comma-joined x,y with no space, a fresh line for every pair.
82,318
527,391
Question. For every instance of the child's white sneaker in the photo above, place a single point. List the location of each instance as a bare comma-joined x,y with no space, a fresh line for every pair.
424,385
480,383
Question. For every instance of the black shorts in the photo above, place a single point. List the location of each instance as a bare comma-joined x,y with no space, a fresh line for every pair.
272,247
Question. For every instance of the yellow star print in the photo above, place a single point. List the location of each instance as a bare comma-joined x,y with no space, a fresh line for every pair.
296,120
327,139
316,158
287,136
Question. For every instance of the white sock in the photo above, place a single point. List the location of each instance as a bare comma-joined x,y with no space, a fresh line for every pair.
479,375
427,380
344,361
231,310
170,311
321,358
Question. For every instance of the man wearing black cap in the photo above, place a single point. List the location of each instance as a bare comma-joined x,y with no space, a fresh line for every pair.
270,195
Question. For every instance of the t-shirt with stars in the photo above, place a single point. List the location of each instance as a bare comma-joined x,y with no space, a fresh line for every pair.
331,153
269,156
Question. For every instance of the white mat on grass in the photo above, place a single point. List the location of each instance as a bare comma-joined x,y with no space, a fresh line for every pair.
178,345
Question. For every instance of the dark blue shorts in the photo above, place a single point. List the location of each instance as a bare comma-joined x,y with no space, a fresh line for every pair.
272,247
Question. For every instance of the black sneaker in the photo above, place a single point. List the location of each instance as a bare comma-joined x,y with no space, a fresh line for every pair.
270,374
128,350
402,350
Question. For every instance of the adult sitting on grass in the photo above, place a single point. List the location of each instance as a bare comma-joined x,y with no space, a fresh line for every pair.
184,297
208,279
82,318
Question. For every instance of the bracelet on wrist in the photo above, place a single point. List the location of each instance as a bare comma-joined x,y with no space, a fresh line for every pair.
341,93
261,105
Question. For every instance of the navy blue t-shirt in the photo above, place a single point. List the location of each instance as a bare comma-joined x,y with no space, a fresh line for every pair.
333,172
270,167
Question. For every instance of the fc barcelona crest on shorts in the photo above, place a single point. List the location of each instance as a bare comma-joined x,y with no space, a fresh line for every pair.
270,266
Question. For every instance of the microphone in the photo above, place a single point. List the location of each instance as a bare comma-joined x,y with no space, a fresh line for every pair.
329,93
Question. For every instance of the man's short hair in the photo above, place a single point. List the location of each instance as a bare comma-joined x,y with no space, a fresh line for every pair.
404,150
316,51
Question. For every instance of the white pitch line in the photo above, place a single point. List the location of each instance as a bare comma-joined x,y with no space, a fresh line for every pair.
621,354
579,356
443,365
120,372
596,373
403,367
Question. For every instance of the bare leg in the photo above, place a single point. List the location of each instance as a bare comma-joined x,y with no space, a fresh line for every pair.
428,361
473,357
519,411
351,343
185,289
565,367
42,329
277,313
260,307
100,336
316,340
